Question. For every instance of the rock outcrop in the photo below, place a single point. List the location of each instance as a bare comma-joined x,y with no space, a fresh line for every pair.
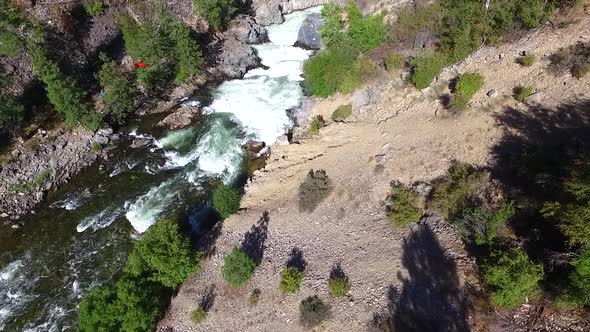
247,30
309,34
44,163
235,59
181,118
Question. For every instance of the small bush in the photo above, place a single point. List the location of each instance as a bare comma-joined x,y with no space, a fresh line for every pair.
198,315
362,69
226,201
317,123
394,61
291,279
9,44
119,93
238,267
314,189
451,193
341,113
581,70
527,60
217,12
163,255
366,32
567,59
425,68
338,286
94,7
522,92
404,209
11,113
480,225
255,296
313,311
467,86
580,279
512,277
332,30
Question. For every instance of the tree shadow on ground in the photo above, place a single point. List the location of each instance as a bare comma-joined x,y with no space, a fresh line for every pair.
296,259
254,239
431,298
539,149
208,299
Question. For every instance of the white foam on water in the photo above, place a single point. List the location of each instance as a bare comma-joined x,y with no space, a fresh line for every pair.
15,283
100,220
257,103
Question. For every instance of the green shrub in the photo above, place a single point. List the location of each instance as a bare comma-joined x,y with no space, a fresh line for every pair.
580,279
451,193
425,68
315,188
99,310
362,69
189,58
342,113
238,267
571,59
255,296
580,71
94,7
226,201
366,32
527,60
291,279
332,30
63,93
198,315
163,255
512,277
119,93
217,12
480,225
9,44
531,12
317,123
404,207
11,113
313,311
324,72
522,92
467,86
394,61
338,286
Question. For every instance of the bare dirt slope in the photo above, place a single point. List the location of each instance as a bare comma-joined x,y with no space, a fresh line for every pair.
415,278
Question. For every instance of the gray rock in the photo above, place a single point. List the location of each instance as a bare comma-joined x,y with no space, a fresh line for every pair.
362,98
282,140
140,142
534,99
236,58
245,29
309,34
102,140
181,118
423,40
492,93
268,12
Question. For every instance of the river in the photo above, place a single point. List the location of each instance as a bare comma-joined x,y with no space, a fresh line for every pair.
81,236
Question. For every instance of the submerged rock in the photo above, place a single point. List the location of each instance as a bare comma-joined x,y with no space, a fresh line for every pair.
309,34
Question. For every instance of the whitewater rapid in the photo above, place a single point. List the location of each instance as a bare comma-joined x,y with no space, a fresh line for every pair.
250,109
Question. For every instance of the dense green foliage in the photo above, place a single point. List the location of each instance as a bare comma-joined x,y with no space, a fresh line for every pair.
342,113
238,267
512,277
315,188
480,225
67,98
313,311
291,279
159,261
403,209
119,92
579,291
226,201
94,7
522,92
165,45
163,255
393,61
338,286
198,315
467,86
425,68
217,12
330,71
317,123
9,44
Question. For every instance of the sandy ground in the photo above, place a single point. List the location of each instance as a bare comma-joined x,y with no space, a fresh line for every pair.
406,135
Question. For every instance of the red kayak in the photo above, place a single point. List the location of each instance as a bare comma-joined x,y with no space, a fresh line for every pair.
141,65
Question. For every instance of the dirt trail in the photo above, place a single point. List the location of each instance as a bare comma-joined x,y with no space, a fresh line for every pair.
405,135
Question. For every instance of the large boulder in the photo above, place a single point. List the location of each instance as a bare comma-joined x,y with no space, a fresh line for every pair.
268,12
245,29
236,58
181,118
309,34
